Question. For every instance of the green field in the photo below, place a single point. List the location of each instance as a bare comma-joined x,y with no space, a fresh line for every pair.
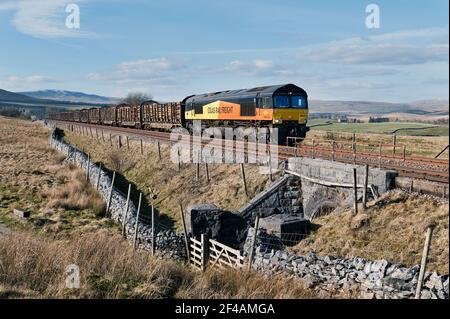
410,129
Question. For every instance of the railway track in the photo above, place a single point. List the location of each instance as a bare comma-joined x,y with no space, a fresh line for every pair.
436,170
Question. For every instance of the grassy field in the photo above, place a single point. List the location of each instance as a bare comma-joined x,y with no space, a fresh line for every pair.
392,228
32,178
426,146
412,129
35,267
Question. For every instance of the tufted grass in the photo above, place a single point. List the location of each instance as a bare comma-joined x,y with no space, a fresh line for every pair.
161,179
392,228
33,178
34,267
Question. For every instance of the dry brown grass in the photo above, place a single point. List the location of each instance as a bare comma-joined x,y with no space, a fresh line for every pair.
170,186
33,178
415,145
73,192
392,228
32,266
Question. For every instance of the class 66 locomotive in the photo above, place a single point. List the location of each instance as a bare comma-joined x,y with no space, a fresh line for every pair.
284,107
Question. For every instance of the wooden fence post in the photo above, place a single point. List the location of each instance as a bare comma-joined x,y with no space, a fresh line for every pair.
88,167
98,176
366,184
142,147
423,264
404,153
108,206
313,149
255,236
333,151
394,143
153,231
128,143
355,190
205,250
110,139
179,159
119,141
197,168
103,137
379,155
206,172
186,237
136,226
125,213
159,150
244,180
270,166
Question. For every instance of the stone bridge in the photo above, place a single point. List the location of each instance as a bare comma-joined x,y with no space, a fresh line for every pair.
327,185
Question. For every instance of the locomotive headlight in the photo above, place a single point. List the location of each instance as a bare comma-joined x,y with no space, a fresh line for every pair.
278,121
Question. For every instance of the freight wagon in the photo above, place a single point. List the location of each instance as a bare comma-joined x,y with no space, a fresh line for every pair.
283,107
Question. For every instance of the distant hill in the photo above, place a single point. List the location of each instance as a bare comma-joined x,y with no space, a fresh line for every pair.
70,96
6,96
432,105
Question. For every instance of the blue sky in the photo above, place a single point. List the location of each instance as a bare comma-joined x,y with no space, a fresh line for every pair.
174,48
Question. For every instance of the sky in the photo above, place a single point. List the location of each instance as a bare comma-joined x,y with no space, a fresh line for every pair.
173,48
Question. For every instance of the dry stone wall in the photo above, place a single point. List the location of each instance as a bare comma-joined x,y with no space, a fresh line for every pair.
370,279
283,197
168,244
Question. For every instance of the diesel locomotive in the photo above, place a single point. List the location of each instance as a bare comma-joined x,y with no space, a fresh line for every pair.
284,107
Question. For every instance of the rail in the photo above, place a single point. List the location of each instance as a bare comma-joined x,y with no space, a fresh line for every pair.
422,167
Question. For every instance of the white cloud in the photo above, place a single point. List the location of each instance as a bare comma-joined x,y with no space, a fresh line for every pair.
16,83
141,70
429,33
10,5
405,47
157,76
255,68
387,54
43,18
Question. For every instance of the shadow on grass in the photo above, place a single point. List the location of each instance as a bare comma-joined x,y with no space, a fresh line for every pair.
162,222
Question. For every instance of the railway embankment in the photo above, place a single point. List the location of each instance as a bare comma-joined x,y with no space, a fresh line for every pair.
323,273
119,208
